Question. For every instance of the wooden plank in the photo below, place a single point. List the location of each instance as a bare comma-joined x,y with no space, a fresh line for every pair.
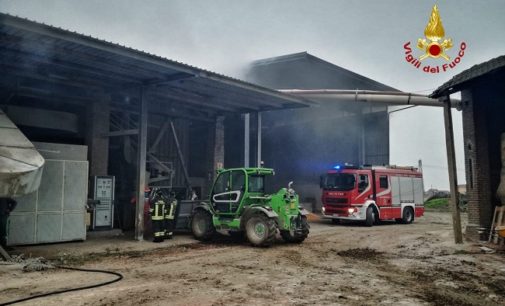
160,163
181,157
493,222
453,178
498,220
163,129
4,254
121,133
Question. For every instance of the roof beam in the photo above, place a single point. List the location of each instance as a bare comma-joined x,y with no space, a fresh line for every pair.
32,62
121,133
168,79
80,56
155,109
92,42
210,99
207,103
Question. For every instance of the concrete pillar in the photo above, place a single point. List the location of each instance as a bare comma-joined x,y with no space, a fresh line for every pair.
219,144
141,166
97,123
362,138
254,139
216,152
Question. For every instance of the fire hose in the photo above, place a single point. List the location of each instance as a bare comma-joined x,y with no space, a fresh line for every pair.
118,278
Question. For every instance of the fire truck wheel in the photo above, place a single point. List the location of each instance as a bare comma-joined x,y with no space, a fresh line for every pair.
370,216
408,215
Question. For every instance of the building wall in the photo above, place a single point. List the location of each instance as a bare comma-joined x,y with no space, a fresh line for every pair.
301,144
483,124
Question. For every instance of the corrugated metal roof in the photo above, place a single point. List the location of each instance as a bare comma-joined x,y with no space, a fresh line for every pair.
36,51
300,56
477,71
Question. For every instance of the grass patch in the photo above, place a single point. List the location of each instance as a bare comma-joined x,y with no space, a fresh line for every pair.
437,204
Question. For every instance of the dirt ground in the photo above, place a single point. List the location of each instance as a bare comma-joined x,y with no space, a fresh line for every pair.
416,264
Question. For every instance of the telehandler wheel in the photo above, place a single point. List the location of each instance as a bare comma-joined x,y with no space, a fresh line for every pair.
260,230
202,226
370,216
294,237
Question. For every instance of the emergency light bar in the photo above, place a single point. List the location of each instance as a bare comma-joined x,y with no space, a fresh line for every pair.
345,166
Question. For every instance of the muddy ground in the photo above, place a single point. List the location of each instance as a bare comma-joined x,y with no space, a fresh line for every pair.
388,264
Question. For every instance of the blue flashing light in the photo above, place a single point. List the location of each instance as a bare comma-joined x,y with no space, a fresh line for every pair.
337,167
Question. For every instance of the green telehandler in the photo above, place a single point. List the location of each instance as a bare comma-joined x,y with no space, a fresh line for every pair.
238,204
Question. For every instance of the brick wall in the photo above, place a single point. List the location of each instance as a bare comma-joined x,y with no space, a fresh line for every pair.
475,135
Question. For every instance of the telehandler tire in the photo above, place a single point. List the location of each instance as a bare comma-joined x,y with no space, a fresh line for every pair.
260,230
201,225
294,237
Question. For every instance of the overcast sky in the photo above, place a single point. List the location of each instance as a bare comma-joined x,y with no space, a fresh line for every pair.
366,37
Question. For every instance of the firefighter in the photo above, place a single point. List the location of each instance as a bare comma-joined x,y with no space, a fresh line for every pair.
147,209
170,217
157,210
7,205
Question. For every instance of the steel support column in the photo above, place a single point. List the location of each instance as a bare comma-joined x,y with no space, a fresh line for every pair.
247,142
141,166
258,127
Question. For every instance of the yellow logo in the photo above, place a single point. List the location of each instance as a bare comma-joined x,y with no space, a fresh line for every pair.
434,32
434,45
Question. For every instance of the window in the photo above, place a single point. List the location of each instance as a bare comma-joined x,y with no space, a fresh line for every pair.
383,182
237,180
363,182
222,183
256,183
338,181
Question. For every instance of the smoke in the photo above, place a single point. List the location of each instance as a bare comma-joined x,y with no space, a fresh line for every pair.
225,36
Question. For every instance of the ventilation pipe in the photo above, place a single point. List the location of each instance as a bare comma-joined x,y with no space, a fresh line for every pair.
370,96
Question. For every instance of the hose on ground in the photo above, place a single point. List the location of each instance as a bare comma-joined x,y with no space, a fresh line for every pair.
119,277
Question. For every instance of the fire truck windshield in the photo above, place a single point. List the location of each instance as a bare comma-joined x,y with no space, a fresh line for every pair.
339,181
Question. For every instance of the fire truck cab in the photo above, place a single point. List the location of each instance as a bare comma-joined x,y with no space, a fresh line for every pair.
372,193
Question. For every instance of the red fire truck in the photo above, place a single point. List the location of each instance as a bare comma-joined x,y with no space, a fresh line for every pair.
372,193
